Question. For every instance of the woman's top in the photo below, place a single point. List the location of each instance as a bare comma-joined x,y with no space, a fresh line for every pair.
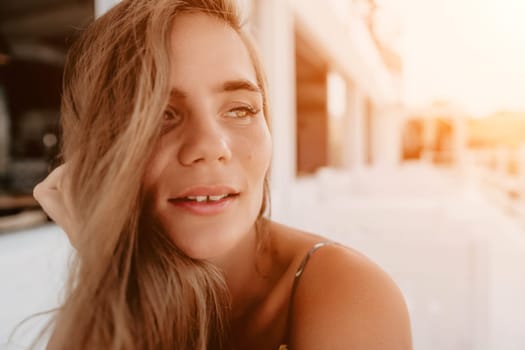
300,272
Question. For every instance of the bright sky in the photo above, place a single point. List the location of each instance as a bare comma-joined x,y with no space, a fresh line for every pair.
469,51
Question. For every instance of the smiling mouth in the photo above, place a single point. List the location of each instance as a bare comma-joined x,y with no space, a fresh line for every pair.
204,199
204,204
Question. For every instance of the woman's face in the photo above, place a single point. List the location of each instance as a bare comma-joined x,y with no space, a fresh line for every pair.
204,182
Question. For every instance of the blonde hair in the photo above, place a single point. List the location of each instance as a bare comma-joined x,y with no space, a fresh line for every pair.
131,288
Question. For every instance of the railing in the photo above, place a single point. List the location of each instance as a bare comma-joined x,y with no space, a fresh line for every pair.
501,172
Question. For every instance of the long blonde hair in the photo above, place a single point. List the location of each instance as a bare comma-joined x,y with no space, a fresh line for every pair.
130,287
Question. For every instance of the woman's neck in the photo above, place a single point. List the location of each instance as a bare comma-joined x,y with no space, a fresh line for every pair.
249,274
259,281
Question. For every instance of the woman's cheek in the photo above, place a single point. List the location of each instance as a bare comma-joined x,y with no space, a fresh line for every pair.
257,149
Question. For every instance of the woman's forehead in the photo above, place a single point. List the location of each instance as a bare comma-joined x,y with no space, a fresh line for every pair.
206,50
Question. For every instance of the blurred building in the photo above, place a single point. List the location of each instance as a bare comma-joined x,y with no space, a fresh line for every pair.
334,72
436,135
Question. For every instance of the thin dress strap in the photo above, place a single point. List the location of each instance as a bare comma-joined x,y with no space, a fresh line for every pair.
302,266
298,274
307,257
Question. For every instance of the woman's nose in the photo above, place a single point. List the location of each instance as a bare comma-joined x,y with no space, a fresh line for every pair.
204,141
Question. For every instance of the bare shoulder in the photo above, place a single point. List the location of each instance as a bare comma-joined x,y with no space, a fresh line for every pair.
345,301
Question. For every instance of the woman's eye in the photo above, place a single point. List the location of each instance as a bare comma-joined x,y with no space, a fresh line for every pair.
241,112
172,116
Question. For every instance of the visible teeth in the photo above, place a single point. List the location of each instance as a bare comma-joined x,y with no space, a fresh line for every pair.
217,198
198,198
207,198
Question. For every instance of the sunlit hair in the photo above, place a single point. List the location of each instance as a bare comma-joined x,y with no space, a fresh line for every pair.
130,287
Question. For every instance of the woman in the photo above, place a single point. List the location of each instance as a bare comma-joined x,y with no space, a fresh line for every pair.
167,152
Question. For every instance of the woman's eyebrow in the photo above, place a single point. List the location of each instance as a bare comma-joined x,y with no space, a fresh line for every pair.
227,86
239,84
177,94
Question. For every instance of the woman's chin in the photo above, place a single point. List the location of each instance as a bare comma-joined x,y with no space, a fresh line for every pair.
208,245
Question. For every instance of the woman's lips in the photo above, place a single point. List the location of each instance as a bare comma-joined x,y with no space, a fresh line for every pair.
202,190
204,207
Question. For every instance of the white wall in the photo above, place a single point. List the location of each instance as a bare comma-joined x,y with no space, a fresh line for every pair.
386,139
33,272
102,6
354,149
275,34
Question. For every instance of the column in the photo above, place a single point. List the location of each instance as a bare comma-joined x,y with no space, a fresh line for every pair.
275,35
354,136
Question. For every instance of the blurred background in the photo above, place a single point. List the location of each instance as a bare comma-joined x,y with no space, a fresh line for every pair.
398,129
